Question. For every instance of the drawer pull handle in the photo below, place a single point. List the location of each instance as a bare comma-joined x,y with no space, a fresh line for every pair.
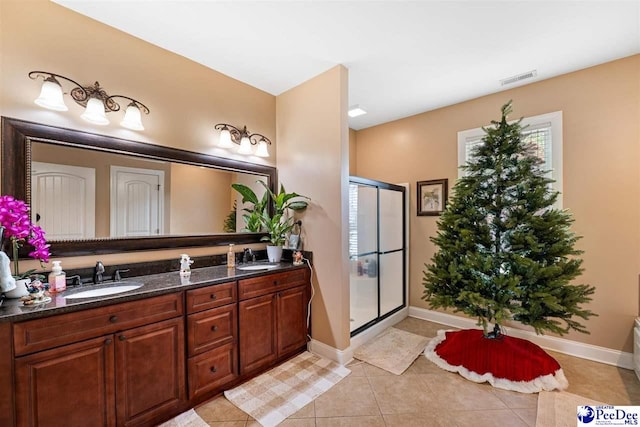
214,328
122,338
113,319
108,341
213,370
275,283
214,296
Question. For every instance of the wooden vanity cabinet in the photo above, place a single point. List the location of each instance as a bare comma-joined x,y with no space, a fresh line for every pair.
273,318
143,362
212,339
129,373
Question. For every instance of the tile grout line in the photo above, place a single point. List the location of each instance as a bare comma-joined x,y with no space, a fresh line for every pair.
366,375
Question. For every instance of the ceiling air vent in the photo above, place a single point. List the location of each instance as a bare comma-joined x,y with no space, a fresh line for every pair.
519,77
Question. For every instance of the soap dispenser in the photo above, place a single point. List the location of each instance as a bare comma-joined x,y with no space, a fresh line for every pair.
57,278
231,257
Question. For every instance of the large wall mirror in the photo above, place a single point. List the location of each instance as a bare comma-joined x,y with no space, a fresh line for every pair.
95,194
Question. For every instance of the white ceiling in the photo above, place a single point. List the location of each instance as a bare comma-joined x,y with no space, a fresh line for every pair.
404,57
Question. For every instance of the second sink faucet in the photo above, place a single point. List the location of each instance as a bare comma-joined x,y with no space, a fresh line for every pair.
248,256
98,272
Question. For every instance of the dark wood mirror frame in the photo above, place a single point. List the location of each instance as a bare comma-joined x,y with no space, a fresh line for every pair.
16,178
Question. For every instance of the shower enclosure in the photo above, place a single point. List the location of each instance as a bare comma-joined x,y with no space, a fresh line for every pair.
377,251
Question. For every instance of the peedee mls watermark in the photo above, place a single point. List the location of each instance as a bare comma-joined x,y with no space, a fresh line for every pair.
606,415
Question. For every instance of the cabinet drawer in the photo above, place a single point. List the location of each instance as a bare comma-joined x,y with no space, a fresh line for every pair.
49,332
211,296
212,328
212,369
249,288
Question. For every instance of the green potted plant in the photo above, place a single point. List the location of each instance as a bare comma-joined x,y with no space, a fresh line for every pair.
278,222
252,215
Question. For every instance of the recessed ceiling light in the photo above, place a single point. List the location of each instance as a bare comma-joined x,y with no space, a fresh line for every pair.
356,110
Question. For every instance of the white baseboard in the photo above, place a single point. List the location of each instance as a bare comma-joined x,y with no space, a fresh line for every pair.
321,349
345,356
617,358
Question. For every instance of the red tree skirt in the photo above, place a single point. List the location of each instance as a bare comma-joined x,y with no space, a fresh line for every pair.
506,362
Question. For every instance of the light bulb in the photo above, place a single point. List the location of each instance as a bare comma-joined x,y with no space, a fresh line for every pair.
245,146
262,150
51,95
225,138
132,118
94,113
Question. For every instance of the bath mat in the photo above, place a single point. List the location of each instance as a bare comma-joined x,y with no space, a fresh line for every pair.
560,409
186,419
273,396
394,350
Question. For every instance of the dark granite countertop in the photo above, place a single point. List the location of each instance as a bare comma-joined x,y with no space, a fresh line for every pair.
12,310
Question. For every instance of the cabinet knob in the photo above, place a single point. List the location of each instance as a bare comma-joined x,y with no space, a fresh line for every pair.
214,328
213,370
214,296
108,341
122,338
275,283
113,319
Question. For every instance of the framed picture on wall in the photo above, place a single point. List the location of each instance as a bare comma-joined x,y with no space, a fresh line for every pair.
432,197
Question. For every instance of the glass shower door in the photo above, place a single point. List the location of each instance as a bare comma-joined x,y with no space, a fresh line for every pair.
391,250
363,254
376,250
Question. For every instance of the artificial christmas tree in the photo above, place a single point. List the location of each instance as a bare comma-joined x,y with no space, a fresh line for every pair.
504,251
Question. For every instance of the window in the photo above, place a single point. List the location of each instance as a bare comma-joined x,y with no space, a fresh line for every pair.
544,130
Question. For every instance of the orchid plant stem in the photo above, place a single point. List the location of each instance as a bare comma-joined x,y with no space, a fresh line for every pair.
16,268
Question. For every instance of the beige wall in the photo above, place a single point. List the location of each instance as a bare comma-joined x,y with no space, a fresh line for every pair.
186,99
313,159
199,197
353,152
601,149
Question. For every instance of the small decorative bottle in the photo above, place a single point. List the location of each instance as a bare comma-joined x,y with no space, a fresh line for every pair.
57,278
231,257
185,265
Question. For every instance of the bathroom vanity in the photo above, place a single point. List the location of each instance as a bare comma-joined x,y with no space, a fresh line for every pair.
143,356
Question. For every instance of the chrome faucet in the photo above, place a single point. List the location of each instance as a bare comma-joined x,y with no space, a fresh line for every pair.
98,272
248,256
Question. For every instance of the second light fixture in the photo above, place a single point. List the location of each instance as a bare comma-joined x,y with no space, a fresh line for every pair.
230,135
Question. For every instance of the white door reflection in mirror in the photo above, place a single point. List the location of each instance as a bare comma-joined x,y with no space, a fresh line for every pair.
137,202
63,200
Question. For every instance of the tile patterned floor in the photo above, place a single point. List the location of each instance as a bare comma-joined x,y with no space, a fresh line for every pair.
426,396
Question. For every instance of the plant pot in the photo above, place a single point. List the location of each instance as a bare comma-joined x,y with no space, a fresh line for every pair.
274,253
20,290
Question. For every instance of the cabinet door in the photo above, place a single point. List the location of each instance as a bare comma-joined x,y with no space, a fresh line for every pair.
292,319
257,332
150,372
67,386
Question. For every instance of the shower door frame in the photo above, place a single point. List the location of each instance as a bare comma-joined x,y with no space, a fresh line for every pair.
394,187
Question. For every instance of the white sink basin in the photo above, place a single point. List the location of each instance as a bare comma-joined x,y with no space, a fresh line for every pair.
256,267
107,290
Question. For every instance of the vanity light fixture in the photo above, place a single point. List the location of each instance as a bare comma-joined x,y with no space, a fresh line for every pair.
230,135
96,101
